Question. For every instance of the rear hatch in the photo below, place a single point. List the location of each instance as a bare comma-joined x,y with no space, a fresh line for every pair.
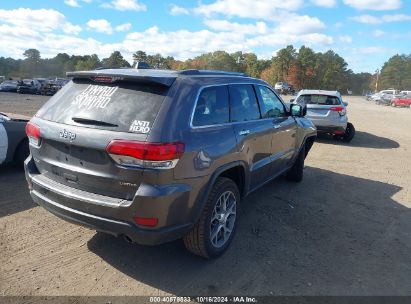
79,122
320,106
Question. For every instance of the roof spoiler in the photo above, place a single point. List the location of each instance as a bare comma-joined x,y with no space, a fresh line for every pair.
106,76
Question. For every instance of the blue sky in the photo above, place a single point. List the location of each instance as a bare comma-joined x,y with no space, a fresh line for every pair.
365,32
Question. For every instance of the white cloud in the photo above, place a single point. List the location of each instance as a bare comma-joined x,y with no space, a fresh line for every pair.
100,26
42,20
178,10
368,19
324,3
377,5
125,5
123,27
378,33
226,26
257,9
345,39
295,24
72,3
75,3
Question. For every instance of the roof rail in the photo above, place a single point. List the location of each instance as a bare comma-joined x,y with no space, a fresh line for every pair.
210,72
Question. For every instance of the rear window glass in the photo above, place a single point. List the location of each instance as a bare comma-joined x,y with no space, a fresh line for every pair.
212,107
318,99
243,103
125,107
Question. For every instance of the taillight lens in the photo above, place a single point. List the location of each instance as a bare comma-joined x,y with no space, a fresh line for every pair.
144,154
339,109
33,133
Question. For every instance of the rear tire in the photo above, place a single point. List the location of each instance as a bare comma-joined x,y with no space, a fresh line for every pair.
214,231
296,172
349,133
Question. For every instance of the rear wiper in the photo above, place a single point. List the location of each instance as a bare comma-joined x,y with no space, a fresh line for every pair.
87,121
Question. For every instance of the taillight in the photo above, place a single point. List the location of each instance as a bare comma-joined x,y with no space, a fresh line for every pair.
33,133
339,109
144,154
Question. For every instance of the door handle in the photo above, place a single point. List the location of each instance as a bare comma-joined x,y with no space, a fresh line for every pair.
244,132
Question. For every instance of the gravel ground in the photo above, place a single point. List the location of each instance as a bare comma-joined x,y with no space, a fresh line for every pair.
345,230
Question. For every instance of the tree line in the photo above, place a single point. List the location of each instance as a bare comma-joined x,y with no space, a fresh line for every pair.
303,68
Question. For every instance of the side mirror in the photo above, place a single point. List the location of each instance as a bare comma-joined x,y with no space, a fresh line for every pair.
345,103
297,110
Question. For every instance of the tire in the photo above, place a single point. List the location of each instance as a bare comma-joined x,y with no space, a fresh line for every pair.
349,133
296,172
199,240
21,153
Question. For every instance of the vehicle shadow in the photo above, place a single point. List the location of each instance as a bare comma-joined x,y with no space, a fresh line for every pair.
14,192
361,140
331,234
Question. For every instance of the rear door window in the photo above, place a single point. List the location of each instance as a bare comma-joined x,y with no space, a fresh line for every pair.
125,107
318,100
243,103
212,107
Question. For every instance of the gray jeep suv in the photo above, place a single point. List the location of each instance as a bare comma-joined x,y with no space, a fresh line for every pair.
154,156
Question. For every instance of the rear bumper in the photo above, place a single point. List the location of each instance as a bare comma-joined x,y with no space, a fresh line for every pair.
98,217
331,129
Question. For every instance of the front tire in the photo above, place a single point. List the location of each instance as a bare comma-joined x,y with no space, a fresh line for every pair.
214,231
21,153
296,173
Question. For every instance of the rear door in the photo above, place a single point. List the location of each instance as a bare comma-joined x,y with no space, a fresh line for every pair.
284,129
78,123
253,133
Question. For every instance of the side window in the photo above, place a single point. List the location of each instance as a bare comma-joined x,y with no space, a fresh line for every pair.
271,105
243,103
212,107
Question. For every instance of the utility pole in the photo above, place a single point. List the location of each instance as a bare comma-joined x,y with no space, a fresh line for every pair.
376,83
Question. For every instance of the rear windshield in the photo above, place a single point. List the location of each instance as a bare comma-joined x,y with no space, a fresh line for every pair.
318,99
124,107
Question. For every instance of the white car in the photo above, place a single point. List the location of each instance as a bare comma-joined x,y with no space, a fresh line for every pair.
328,112
13,141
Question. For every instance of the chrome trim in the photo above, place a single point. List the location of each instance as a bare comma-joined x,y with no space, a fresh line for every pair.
236,122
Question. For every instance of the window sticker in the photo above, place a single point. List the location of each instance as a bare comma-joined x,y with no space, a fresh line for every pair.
140,126
94,97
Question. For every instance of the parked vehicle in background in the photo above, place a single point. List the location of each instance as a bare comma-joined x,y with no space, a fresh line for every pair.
13,141
402,101
29,86
8,86
155,156
282,87
384,97
328,112
2,78
405,93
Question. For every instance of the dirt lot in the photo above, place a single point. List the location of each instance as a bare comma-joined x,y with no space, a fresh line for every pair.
345,230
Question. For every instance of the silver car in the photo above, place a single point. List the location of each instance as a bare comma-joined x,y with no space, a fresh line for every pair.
328,112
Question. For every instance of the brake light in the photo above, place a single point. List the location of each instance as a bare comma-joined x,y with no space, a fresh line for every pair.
148,222
144,154
339,109
33,133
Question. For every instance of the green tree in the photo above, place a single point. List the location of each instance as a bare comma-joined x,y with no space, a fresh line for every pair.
116,60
